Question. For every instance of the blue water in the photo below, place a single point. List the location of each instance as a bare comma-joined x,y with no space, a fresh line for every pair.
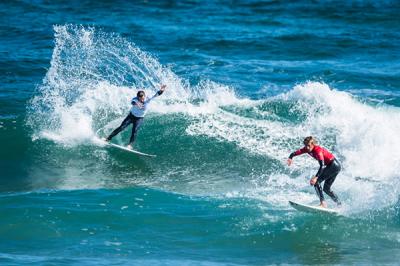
246,82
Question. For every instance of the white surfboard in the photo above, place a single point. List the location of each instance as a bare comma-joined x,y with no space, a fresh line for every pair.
313,209
126,149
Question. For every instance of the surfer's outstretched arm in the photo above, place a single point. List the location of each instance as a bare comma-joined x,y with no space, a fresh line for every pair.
158,93
295,153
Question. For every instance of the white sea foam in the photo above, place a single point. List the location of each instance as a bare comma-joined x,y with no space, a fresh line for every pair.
363,137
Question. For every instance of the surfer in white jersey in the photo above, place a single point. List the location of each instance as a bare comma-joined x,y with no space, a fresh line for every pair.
139,108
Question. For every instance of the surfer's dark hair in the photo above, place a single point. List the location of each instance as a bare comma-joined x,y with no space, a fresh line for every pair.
140,94
308,140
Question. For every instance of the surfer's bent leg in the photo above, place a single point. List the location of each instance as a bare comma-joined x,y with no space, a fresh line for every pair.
137,122
123,125
318,189
329,175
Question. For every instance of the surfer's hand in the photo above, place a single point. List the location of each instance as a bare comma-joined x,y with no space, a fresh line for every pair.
162,88
313,181
289,162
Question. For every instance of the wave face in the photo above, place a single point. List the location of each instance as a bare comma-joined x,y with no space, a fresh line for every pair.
93,76
246,82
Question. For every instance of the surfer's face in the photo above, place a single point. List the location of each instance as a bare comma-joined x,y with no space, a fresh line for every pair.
141,98
309,147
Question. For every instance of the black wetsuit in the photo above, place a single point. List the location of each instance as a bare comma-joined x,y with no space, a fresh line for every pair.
328,175
130,119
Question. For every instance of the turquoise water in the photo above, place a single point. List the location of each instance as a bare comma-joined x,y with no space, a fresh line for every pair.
246,82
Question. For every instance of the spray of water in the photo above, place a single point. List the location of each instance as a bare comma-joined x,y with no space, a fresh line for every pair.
91,79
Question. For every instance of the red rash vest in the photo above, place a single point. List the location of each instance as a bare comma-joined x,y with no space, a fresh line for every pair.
319,153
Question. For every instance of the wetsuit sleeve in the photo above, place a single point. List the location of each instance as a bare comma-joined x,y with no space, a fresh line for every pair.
158,93
321,164
298,152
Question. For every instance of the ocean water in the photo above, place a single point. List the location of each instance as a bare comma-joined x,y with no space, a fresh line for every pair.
246,82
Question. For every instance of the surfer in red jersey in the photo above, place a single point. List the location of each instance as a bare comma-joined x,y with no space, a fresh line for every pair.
327,173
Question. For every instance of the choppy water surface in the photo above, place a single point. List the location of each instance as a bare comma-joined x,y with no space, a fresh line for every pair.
246,82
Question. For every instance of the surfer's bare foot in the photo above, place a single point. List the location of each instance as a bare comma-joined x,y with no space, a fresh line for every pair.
323,205
129,146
